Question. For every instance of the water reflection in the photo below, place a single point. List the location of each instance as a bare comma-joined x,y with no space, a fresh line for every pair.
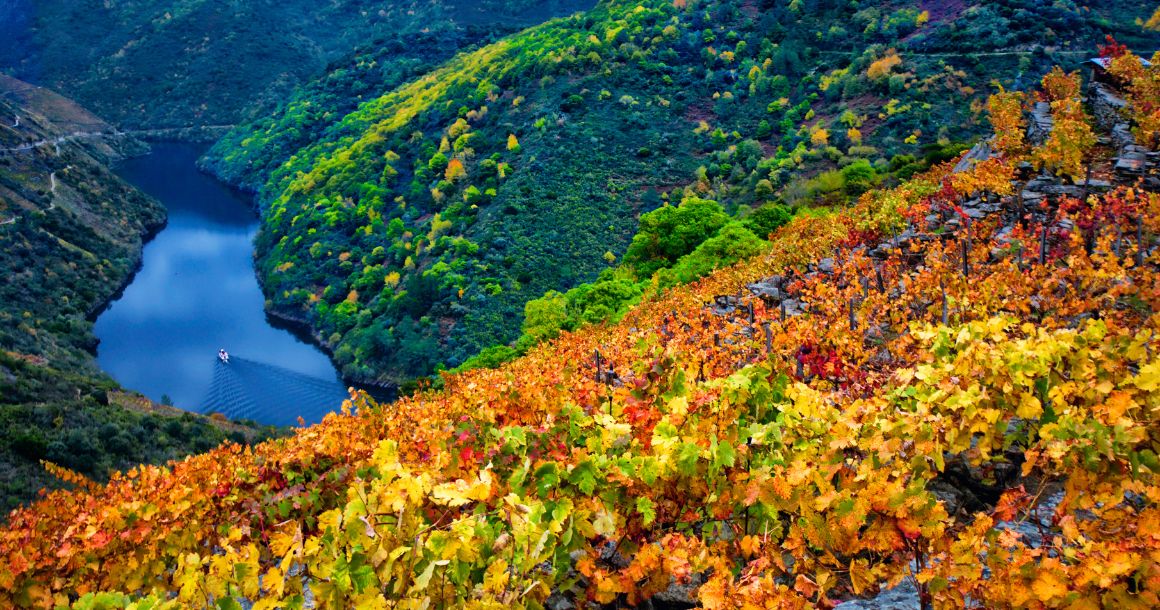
196,292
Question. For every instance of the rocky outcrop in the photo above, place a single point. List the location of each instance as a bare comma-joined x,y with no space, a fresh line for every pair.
1107,106
1133,162
977,154
1041,124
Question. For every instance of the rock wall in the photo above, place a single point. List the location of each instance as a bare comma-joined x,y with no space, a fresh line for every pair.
1041,124
1107,106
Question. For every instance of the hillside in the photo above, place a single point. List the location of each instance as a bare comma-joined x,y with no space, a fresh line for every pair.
948,387
249,153
410,233
149,65
70,236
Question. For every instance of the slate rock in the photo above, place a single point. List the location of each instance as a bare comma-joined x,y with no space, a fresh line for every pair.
902,597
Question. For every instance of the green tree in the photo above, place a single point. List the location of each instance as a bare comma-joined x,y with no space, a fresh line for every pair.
604,300
668,233
859,177
767,219
438,163
732,243
764,130
545,316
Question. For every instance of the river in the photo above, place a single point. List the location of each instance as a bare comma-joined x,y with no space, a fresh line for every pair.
197,292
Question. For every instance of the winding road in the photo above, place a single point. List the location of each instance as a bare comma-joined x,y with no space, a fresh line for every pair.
78,135
56,142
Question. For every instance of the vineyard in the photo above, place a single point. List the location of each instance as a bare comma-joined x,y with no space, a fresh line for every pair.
952,383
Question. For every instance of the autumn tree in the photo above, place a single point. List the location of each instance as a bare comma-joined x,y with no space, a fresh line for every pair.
455,170
881,68
1059,85
1005,109
1153,22
1071,136
1142,86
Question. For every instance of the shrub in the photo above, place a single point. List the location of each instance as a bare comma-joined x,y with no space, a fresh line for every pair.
545,316
669,232
765,220
733,243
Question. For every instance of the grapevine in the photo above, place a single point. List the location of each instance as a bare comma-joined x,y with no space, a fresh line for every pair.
780,452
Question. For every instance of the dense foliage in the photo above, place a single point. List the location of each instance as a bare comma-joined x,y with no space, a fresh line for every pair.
148,65
247,155
412,230
970,408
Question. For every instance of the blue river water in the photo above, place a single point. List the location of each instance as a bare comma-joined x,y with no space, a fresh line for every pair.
197,292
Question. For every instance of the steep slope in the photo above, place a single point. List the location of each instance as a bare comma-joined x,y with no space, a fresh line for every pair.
249,153
198,62
73,231
414,231
951,383
70,236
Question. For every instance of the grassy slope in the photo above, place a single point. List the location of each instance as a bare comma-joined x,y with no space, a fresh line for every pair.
353,246
65,254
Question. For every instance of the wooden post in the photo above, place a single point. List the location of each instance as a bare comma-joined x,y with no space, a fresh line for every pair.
966,259
945,312
596,357
1087,180
1089,238
1043,245
768,338
853,318
1139,241
1019,202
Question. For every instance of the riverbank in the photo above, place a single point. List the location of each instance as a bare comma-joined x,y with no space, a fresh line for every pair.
72,236
196,293
382,391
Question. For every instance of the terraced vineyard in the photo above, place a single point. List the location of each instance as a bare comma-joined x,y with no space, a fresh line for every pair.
952,383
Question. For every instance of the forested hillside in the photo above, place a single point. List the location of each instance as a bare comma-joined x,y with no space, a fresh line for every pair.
73,231
247,155
411,232
70,236
144,64
947,390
